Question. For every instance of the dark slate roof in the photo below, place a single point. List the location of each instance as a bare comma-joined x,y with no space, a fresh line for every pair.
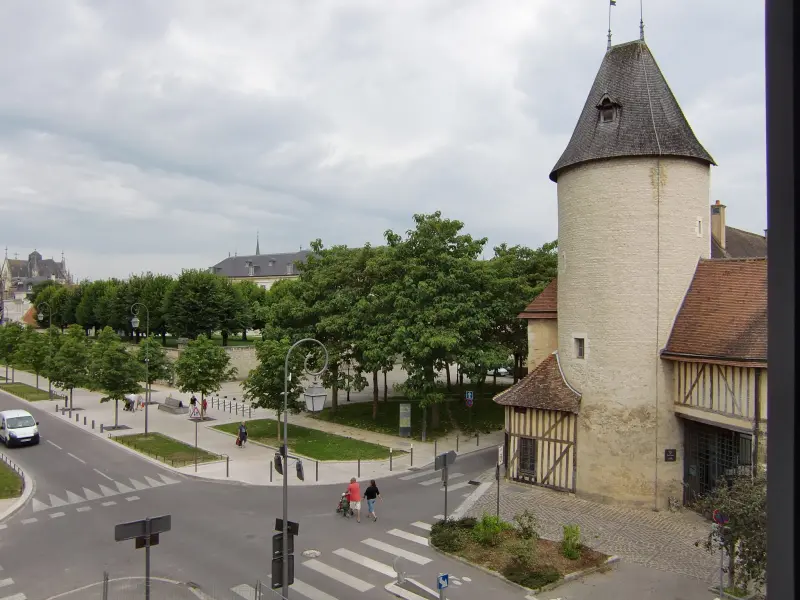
724,314
545,305
48,268
266,265
544,388
740,244
624,75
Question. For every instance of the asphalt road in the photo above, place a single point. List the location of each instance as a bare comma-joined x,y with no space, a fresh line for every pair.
221,532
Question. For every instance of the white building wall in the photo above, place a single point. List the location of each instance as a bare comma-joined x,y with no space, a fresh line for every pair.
608,293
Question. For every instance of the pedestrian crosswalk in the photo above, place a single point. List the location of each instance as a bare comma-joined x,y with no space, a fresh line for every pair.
355,570
114,488
430,478
7,585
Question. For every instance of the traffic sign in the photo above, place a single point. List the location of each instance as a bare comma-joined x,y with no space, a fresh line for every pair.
277,545
442,581
135,529
294,528
469,402
720,518
469,396
444,460
499,455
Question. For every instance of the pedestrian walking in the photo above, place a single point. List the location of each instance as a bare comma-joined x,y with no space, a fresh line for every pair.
372,494
204,408
242,439
354,495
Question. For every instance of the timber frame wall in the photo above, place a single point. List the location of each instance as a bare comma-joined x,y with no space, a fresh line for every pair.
541,447
728,390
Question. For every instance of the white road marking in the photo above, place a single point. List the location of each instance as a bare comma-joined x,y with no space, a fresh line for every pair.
6,582
168,480
467,579
103,474
422,525
56,515
245,591
83,508
416,475
399,592
76,458
467,495
29,521
153,482
310,592
417,539
123,489
39,505
16,597
107,491
56,501
139,485
132,498
439,479
73,498
3,527
458,486
109,503
55,445
438,517
415,558
90,495
337,575
365,562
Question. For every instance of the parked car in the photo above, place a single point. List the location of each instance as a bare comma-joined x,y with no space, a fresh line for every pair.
18,427
501,372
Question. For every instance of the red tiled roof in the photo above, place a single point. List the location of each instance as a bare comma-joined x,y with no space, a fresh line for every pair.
543,388
29,318
724,313
545,305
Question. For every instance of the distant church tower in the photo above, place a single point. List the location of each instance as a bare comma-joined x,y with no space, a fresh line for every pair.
633,197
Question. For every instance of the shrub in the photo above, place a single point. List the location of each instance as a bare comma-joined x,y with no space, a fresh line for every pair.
532,579
527,525
571,544
523,553
449,539
487,531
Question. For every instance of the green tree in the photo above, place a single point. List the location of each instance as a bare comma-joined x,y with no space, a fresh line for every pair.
235,313
254,296
159,367
263,386
38,288
203,367
114,370
10,336
195,304
86,312
33,351
153,294
49,304
743,499
69,367
68,310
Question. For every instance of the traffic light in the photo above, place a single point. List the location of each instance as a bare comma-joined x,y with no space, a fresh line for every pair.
300,474
278,463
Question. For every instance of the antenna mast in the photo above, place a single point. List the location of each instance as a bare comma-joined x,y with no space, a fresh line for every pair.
641,20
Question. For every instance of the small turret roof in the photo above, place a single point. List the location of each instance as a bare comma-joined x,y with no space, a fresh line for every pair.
630,78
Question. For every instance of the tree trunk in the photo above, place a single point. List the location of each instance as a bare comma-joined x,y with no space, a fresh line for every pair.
516,366
244,335
494,378
385,388
447,371
435,416
224,338
424,423
164,338
116,414
37,381
335,388
375,395
731,567
70,399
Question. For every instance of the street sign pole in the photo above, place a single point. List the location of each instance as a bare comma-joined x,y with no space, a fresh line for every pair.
147,529
497,476
444,477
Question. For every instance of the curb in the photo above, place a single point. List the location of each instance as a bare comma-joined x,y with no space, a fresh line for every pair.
609,562
28,487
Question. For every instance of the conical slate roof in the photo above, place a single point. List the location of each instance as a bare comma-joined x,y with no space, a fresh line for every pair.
629,78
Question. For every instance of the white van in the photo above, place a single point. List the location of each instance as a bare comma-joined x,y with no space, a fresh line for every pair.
18,427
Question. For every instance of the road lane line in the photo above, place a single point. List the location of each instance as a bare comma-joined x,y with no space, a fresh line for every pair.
123,489
83,508
16,597
55,445
354,582
415,558
90,495
438,517
73,498
29,521
439,479
365,562
132,498
247,592
453,488
107,491
417,539
76,458
109,503
103,474
308,591
55,501
421,525
56,515
416,475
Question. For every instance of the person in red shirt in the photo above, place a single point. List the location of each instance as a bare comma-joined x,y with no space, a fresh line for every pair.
354,496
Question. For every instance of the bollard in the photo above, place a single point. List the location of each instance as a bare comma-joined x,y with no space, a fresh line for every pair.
230,406
478,439
456,443
390,460
270,472
250,412
62,412
56,407
317,471
237,409
412,455
227,466
92,423
101,428
359,467
77,418
84,420
435,448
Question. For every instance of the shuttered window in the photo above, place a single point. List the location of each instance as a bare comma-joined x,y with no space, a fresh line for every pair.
527,456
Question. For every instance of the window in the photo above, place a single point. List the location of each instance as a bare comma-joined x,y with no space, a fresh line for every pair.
580,347
699,227
607,112
527,456
520,410
289,269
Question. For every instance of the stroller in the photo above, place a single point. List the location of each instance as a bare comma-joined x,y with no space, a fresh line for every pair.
344,506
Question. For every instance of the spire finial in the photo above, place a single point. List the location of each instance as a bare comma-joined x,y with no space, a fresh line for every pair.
258,249
610,4
641,20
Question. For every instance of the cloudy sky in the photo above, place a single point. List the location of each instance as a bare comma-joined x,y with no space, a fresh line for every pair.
162,134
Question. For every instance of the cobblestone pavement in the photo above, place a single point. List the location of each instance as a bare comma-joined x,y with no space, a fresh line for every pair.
660,540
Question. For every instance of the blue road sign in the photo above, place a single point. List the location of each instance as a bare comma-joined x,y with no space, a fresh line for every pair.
469,396
443,581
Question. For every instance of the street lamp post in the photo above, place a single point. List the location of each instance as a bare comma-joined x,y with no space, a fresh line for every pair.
40,317
285,452
135,323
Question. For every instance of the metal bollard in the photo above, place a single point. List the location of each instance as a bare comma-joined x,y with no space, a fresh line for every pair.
62,412
435,448
390,460
230,406
101,428
270,472
77,418
84,420
478,439
56,407
92,423
227,466
250,412
456,443
359,468
317,471
237,409
412,455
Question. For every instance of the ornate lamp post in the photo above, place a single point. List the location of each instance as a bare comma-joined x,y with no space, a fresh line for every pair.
135,308
40,317
285,450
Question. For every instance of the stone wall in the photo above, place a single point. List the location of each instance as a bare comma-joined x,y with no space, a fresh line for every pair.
242,357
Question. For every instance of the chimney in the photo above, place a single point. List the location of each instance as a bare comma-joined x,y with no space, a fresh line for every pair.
718,223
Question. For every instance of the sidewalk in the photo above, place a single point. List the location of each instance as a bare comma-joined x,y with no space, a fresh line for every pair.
252,464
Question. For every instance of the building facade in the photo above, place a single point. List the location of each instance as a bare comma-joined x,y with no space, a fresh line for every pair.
598,414
19,276
262,269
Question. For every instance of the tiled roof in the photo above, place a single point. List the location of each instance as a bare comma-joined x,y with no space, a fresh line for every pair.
544,388
724,313
629,76
266,265
17,267
740,244
545,305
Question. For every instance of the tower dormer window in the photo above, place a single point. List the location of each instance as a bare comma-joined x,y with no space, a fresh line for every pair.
608,109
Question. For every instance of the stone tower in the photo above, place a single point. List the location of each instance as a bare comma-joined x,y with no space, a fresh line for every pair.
633,197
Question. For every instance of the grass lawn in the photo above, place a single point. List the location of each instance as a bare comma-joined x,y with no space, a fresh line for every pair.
487,416
318,445
166,449
10,482
23,390
532,563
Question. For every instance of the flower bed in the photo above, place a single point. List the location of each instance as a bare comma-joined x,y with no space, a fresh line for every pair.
516,551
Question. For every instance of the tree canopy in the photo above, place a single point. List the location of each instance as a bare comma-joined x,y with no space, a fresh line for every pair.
203,367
